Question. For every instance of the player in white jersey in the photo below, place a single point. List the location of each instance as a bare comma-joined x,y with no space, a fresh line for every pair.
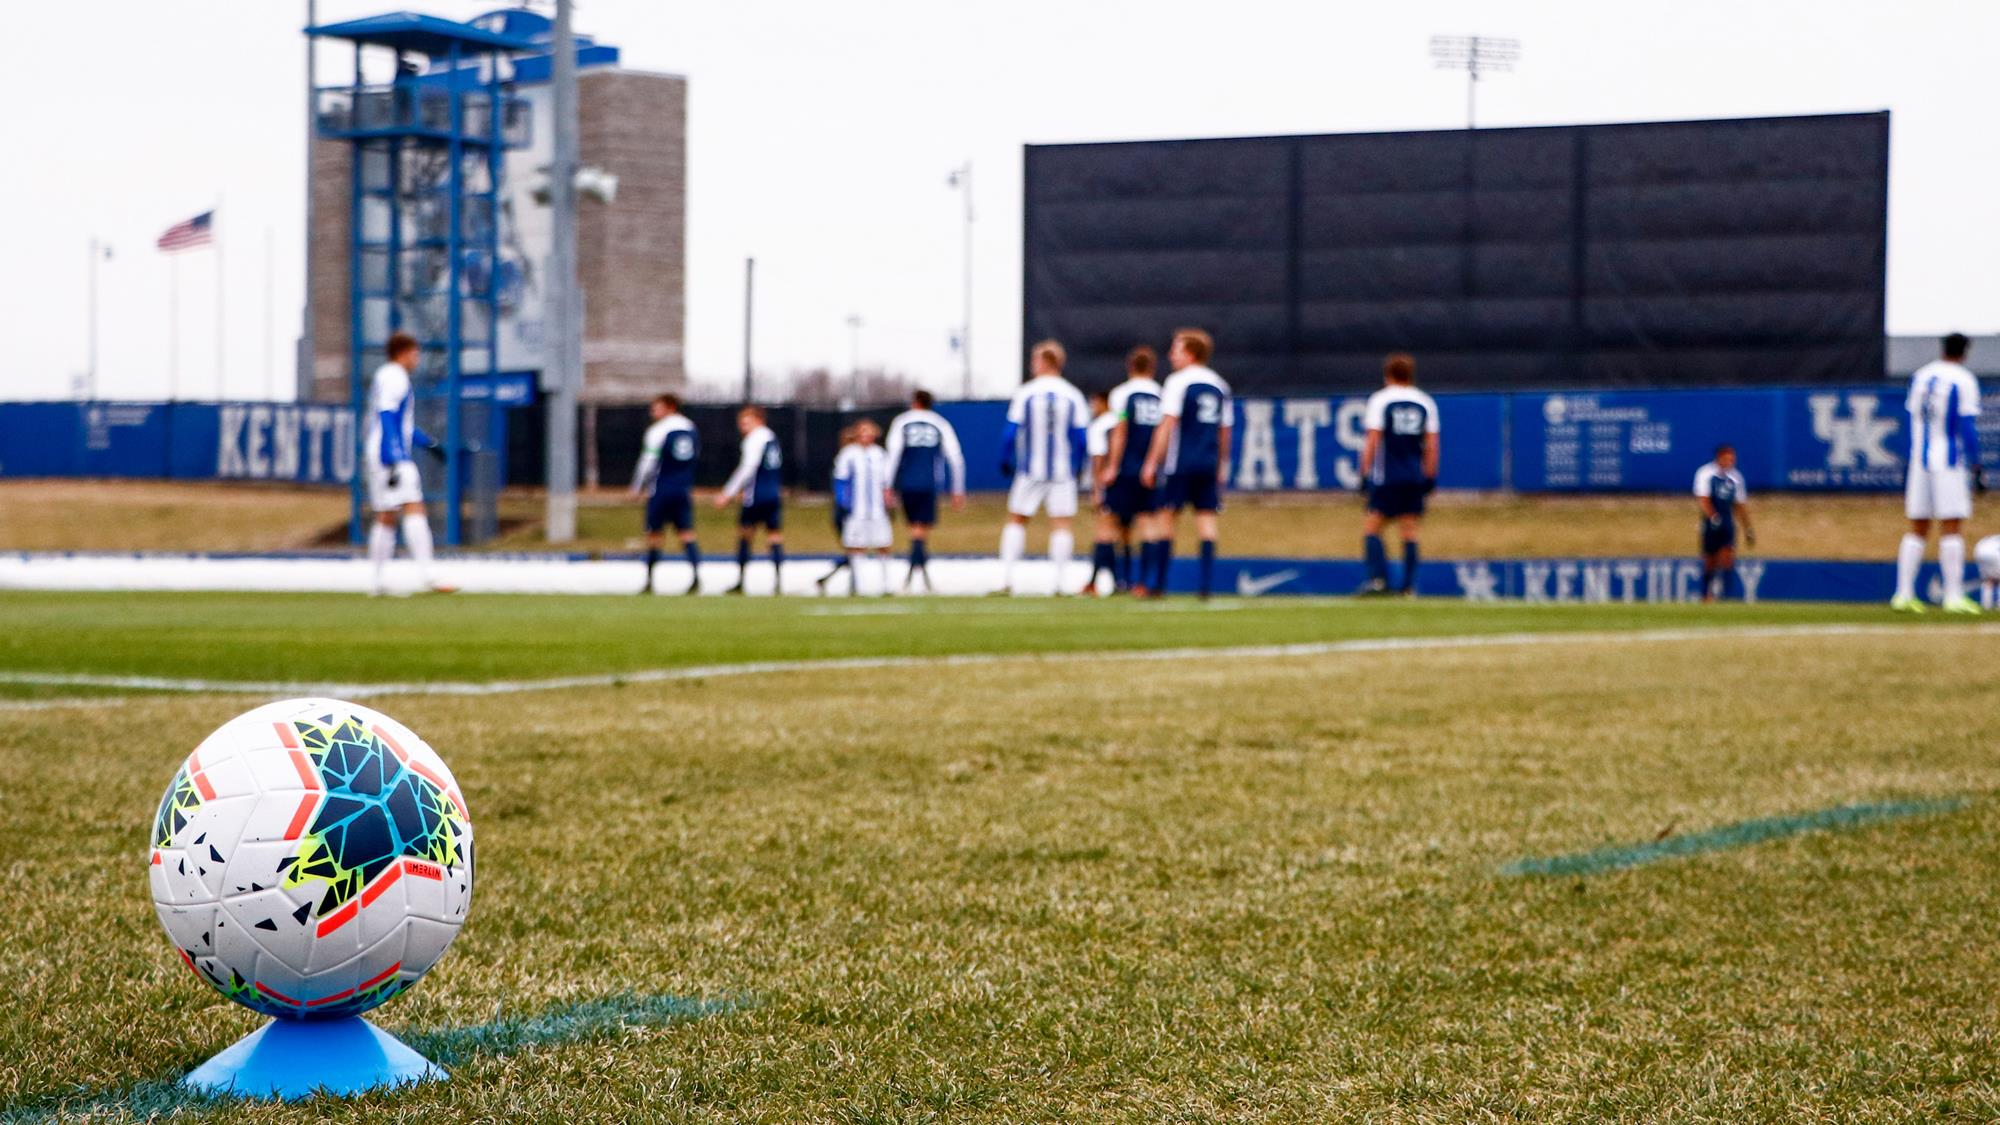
1944,468
1986,556
1039,450
861,485
1097,441
394,489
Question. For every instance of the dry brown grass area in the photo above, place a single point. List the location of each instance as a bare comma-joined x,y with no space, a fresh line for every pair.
152,515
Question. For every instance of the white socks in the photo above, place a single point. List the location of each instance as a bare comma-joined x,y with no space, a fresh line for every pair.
1013,541
1909,556
882,574
1061,545
1986,593
381,548
417,536
1951,560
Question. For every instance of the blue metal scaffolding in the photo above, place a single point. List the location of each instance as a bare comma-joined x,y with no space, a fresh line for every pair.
424,210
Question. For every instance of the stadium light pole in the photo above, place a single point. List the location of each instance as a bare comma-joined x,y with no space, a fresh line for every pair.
98,252
749,309
853,359
308,360
565,360
961,178
1475,55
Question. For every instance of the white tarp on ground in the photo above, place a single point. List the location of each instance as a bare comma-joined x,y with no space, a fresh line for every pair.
490,575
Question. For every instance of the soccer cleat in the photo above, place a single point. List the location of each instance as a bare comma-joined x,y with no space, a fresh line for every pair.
736,589
443,588
1373,588
1961,604
1905,603
694,588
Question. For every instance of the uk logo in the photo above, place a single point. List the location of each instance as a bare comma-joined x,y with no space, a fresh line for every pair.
1858,440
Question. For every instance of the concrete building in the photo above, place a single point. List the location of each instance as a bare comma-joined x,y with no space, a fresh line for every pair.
631,253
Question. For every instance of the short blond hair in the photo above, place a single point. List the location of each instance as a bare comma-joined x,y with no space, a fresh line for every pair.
1052,352
1199,344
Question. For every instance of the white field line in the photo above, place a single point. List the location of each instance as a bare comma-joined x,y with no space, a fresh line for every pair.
282,688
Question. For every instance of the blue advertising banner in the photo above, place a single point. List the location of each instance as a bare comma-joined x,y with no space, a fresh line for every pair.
307,443
1817,439
1565,581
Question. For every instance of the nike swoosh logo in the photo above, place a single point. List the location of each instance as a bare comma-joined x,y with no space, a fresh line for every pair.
1248,587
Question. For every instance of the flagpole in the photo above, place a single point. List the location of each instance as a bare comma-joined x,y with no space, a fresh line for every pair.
270,329
221,363
173,327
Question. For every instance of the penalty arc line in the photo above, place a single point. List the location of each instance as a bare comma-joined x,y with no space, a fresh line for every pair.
963,660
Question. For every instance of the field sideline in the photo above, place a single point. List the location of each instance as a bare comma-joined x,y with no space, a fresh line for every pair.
1238,884
180,516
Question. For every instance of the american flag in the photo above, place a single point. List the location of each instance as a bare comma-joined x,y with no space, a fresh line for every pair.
189,233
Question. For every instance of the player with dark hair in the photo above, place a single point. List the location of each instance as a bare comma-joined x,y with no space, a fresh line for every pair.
1724,500
1097,443
759,482
840,513
1944,470
1189,458
1135,403
861,485
924,455
1399,467
666,467
395,490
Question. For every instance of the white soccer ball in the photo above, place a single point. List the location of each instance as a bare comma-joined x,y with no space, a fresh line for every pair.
312,859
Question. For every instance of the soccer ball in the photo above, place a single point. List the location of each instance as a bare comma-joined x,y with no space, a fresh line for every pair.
312,859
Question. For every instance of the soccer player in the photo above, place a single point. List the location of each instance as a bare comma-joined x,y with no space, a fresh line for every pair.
1724,498
1189,458
861,485
1399,468
394,489
839,517
758,481
666,465
923,455
1986,556
1944,467
1097,441
1136,404
1039,449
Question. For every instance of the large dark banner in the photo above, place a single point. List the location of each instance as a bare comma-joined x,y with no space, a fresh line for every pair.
1681,253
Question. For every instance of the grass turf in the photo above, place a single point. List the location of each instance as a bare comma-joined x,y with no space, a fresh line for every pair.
346,638
1232,888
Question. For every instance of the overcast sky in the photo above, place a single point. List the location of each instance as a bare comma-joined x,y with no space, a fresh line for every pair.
821,134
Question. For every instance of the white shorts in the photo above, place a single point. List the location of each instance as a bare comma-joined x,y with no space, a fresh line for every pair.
1027,497
389,488
862,533
1938,494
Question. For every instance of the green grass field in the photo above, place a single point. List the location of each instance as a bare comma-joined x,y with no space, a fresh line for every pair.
1229,885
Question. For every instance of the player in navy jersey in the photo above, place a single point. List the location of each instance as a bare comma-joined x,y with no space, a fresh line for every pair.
759,482
1189,458
1097,442
1136,405
666,467
1399,466
1724,501
924,457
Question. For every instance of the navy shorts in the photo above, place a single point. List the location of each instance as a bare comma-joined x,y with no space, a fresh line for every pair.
918,507
1128,498
1717,536
1402,499
663,508
767,514
1197,489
